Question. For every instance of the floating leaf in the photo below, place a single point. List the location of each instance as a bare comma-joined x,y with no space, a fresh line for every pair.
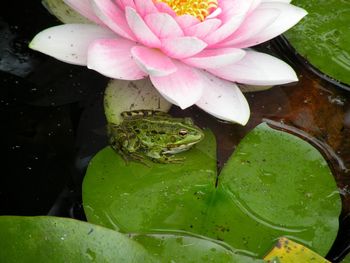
287,251
346,259
135,198
274,185
323,38
53,239
283,187
181,248
37,239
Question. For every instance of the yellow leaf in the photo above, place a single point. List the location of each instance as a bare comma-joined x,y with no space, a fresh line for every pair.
287,251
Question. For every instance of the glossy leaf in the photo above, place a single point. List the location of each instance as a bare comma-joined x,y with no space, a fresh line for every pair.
274,185
53,239
323,38
37,239
132,197
281,186
346,259
287,251
182,248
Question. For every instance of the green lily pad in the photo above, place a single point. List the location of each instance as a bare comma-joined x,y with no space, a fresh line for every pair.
37,239
53,239
275,184
181,248
282,183
346,259
323,38
137,198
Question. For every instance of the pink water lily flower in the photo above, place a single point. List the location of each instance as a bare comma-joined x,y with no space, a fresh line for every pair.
192,50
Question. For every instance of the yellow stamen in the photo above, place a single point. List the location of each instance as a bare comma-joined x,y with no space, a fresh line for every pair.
197,8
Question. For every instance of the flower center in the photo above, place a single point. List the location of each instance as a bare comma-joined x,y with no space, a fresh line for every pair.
197,8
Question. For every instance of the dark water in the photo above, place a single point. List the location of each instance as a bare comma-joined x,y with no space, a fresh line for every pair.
52,123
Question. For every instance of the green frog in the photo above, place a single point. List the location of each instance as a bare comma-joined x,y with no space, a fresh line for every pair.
153,134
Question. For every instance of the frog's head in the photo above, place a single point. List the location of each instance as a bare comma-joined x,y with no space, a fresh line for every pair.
184,136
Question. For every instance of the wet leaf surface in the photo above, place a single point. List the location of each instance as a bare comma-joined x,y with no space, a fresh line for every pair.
322,37
68,140
346,259
37,239
182,248
275,184
191,181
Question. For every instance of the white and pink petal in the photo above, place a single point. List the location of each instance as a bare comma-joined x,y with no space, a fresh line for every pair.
144,7
84,8
289,15
233,14
251,26
112,58
254,5
224,100
163,25
183,87
201,30
215,58
69,42
233,7
153,61
257,68
164,8
186,21
215,13
124,3
113,17
182,47
141,30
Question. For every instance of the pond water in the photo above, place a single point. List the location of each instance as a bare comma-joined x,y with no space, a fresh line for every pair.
53,123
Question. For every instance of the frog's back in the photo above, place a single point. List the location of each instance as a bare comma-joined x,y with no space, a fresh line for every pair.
158,129
152,125
153,134
150,122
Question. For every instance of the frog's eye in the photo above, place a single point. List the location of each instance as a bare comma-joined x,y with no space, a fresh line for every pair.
182,132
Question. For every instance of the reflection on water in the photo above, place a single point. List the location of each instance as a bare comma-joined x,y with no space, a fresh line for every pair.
53,123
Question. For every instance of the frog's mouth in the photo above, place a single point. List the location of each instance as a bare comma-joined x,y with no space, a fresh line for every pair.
179,148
